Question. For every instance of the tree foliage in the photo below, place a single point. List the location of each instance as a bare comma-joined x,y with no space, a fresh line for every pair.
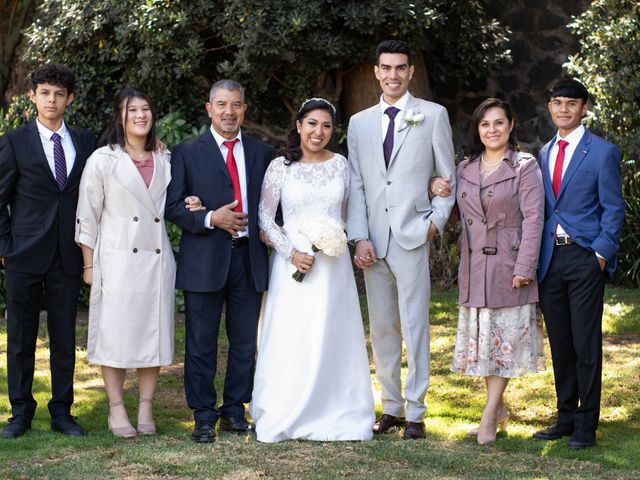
608,64
282,51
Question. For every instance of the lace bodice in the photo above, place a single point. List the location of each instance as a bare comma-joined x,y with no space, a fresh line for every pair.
303,190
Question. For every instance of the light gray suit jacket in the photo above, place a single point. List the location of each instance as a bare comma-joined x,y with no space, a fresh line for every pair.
397,198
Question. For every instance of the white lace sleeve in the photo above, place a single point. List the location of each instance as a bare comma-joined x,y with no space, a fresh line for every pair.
345,178
269,200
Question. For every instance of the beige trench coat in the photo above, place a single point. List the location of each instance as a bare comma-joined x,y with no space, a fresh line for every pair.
132,295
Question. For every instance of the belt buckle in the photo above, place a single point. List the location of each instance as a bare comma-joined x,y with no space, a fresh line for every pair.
563,240
489,250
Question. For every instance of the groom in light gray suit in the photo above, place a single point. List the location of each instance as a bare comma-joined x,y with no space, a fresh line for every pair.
394,149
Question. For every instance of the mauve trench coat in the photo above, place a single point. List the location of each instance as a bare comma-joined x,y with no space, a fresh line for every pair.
511,228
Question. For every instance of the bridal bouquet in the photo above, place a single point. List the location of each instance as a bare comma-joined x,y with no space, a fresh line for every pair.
326,235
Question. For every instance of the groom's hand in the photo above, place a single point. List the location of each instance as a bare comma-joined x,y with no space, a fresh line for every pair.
365,254
226,219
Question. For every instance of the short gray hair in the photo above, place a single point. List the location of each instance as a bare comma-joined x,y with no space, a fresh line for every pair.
226,84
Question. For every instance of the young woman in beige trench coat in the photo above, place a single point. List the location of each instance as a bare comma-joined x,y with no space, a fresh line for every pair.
128,260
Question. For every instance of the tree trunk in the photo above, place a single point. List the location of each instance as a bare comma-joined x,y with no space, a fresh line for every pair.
361,89
15,15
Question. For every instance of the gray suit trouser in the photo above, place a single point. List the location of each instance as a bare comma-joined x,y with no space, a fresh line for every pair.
398,293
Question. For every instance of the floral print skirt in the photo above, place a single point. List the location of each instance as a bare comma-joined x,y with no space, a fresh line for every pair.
505,342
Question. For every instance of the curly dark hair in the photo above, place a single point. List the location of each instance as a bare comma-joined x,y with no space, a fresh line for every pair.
53,74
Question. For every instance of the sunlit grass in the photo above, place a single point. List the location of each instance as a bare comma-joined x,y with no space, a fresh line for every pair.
454,405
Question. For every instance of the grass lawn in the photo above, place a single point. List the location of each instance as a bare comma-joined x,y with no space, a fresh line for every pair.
454,405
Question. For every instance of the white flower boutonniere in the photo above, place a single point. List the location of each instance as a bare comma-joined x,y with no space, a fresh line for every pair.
413,119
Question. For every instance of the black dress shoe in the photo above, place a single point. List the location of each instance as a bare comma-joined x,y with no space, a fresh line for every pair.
203,433
16,427
385,422
554,432
67,425
414,430
578,442
236,425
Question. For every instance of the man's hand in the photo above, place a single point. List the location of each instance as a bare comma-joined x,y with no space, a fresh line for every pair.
439,187
264,239
226,219
302,261
365,254
433,231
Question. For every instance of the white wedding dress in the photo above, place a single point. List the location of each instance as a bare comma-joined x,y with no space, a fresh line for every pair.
312,379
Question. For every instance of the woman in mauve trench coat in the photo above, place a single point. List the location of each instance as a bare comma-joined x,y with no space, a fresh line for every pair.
501,201
128,260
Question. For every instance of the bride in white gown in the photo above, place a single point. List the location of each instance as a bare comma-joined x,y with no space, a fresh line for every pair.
312,379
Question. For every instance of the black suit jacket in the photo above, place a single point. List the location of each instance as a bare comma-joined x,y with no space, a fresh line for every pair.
36,218
197,168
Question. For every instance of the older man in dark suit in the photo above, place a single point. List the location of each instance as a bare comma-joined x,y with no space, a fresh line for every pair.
222,260
40,168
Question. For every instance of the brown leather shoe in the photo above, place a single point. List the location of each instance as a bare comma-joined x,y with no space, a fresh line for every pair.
385,422
413,430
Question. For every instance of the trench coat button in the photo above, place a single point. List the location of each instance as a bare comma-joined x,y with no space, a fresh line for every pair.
135,250
464,194
157,250
135,219
388,183
490,194
484,221
78,220
514,248
156,220
386,210
470,222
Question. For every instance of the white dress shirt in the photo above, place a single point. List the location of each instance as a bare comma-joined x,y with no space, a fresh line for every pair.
401,105
238,155
47,145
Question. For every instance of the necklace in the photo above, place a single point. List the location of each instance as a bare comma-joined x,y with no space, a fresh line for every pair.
489,165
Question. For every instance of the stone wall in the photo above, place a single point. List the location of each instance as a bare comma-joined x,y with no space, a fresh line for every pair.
540,43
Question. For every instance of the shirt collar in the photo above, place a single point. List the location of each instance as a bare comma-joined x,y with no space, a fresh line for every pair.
46,133
401,104
574,137
220,139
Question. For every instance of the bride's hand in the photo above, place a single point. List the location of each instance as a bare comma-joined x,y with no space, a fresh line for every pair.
302,261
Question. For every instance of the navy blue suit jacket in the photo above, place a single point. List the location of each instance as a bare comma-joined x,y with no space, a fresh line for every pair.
590,206
197,168
37,219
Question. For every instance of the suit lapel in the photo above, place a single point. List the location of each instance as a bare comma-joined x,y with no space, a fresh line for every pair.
126,173
403,128
578,156
211,153
78,162
38,151
375,131
544,167
249,166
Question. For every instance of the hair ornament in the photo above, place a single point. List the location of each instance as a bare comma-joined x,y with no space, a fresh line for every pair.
318,99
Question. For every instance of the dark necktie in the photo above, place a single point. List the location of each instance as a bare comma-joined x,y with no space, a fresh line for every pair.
557,169
59,161
233,173
387,145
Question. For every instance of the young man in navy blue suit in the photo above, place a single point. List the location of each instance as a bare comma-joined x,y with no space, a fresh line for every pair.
222,261
584,213
40,168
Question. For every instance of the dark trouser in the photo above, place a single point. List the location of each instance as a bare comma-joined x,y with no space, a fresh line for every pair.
571,298
203,311
24,299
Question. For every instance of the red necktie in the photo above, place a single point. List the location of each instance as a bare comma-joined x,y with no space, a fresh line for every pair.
557,169
233,173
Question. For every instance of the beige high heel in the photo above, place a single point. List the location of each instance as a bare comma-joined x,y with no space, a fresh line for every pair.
125,432
503,420
146,428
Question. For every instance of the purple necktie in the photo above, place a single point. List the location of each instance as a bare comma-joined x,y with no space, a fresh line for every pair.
60,161
387,145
